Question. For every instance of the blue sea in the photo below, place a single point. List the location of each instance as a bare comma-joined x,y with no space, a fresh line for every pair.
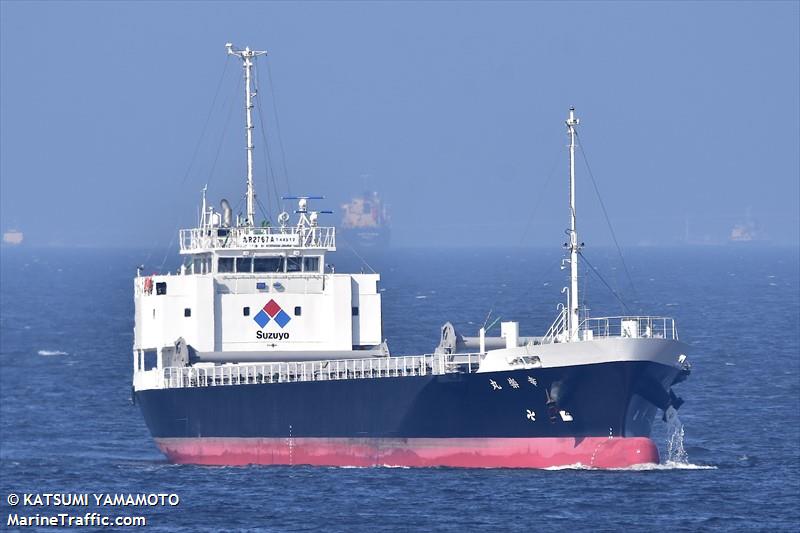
68,425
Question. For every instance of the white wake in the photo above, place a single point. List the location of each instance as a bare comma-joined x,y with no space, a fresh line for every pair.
51,352
676,452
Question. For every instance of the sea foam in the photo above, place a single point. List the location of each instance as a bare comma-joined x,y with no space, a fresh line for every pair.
52,352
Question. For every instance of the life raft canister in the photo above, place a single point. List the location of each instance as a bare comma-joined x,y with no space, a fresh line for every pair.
148,285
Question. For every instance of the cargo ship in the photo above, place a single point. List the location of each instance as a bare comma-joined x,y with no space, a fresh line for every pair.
13,237
365,222
257,352
747,231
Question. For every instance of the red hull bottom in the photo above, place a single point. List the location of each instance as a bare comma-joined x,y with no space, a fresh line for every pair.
596,452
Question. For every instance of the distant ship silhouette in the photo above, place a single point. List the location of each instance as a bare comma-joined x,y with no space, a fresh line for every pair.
13,237
746,231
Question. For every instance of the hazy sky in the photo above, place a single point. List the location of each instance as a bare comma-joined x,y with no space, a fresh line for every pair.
689,114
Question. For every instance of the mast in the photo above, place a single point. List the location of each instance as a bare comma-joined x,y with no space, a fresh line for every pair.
573,234
246,56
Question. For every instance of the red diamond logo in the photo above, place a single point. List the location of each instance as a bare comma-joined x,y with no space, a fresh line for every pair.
272,308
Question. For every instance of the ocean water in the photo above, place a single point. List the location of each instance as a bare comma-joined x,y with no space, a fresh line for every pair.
731,461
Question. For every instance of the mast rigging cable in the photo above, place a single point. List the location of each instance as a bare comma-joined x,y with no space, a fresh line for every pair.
605,214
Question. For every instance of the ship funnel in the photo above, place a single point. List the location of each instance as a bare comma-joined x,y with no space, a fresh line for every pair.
226,212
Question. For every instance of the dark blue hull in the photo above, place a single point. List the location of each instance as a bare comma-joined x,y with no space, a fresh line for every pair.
615,400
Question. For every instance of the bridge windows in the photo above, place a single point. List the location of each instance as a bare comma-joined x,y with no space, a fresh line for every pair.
311,264
225,264
268,264
244,264
161,287
294,264
201,264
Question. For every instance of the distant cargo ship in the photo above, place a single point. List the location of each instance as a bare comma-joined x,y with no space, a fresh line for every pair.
365,223
743,233
747,231
13,237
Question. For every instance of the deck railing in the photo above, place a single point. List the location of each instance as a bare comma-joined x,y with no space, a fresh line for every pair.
636,327
633,327
556,330
248,238
259,373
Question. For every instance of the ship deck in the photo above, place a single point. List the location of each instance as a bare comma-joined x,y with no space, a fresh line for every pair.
210,375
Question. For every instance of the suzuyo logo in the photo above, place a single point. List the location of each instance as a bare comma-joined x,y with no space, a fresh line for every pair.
272,312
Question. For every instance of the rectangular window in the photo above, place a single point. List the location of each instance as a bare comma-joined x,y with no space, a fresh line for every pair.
225,264
150,359
298,311
246,311
294,264
161,287
244,264
187,312
311,264
355,311
268,264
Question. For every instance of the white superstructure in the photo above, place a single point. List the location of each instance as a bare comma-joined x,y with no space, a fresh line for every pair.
255,293
259,294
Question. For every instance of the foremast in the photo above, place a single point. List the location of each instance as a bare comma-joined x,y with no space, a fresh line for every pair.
573,246
247,56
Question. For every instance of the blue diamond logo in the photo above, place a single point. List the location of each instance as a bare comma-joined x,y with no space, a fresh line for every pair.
262,319
282,318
